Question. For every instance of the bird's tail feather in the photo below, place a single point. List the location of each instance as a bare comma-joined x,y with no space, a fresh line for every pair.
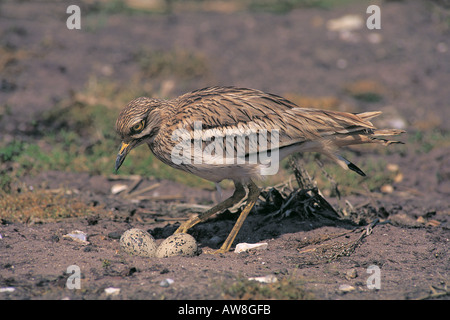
329,147
369,115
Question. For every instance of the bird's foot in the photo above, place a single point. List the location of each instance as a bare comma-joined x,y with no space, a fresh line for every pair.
221,250
212,251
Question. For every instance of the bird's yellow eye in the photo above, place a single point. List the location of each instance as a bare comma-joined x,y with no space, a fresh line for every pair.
138,127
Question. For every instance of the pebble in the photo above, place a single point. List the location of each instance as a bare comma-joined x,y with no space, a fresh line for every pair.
374,37
78,236
166,282
114,235
392,167
118,188
387,188
344,288
346,23
112,291
351,274
242,247
398,178
270,278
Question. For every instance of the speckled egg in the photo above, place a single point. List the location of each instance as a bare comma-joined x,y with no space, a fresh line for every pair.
138,242
179,244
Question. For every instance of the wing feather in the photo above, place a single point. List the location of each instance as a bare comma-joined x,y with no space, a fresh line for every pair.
229,107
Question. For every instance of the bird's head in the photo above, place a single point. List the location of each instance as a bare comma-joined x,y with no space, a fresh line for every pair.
137,123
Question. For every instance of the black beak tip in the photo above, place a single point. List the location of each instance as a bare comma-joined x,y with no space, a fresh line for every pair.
119,161
353,167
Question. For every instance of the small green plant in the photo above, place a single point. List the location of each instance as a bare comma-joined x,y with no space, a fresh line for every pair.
287,288
106,263
284,6
425,141
366,90
11,150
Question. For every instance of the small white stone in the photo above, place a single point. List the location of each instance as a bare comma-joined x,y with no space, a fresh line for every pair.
112,291
166,282
346,288
346,23
270,278
78,236
387,188
374,37
242,247
118,188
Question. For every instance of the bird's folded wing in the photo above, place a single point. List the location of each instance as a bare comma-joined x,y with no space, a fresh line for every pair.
228,110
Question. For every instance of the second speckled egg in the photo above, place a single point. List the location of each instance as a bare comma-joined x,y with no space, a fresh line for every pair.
179,244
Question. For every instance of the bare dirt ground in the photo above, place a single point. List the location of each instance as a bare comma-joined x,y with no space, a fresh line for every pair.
312,257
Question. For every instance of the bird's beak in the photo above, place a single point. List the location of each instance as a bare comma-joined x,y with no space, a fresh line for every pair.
124,149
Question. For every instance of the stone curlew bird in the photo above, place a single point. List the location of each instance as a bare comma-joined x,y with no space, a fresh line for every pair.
240,134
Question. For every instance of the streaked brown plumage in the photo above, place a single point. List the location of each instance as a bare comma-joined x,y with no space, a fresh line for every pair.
225,110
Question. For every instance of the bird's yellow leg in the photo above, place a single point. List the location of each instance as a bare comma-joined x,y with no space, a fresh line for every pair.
238,195
253,194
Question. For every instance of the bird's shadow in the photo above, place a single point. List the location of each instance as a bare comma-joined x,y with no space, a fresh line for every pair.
302,210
